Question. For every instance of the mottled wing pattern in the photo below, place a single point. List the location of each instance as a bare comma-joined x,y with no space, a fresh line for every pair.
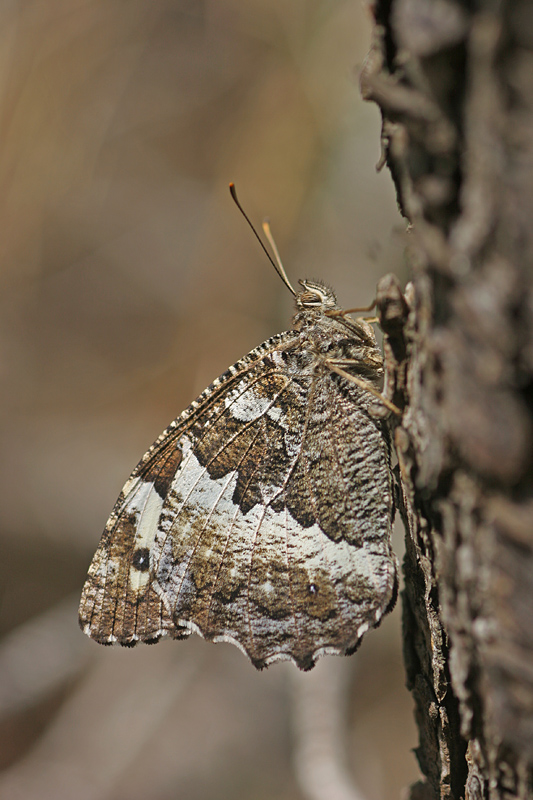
250,520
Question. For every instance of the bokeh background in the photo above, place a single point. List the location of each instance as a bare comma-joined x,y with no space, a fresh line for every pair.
128,282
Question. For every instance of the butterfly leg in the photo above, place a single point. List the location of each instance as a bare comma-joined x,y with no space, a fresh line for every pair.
343,312
335,366
368,320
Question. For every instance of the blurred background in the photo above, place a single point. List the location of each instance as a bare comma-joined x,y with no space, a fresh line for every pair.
129,281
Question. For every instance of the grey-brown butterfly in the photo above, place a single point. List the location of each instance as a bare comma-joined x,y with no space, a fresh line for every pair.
262,515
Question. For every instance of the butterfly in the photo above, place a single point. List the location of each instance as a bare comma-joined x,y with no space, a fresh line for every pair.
262,515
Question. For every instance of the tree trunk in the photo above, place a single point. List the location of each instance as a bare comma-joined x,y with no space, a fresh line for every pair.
454,81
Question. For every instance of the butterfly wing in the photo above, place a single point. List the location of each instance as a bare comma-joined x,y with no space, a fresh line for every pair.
250,519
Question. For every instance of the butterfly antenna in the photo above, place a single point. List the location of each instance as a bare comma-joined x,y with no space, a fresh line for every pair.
278,266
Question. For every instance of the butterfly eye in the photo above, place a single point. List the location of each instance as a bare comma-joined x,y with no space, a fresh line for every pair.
311,299
315,294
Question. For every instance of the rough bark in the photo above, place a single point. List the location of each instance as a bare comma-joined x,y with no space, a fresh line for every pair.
454,81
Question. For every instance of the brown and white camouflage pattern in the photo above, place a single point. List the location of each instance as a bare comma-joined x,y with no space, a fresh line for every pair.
262,515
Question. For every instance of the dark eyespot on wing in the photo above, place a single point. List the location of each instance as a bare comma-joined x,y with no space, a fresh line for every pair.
141,559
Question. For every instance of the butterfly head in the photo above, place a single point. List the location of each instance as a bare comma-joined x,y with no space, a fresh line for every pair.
316,308
315,296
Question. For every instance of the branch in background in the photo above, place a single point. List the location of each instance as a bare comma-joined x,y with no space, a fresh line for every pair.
320,732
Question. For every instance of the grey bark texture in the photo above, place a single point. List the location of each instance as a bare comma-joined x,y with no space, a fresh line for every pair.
454,81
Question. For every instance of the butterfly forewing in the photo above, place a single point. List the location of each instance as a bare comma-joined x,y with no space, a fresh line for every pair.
261,516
